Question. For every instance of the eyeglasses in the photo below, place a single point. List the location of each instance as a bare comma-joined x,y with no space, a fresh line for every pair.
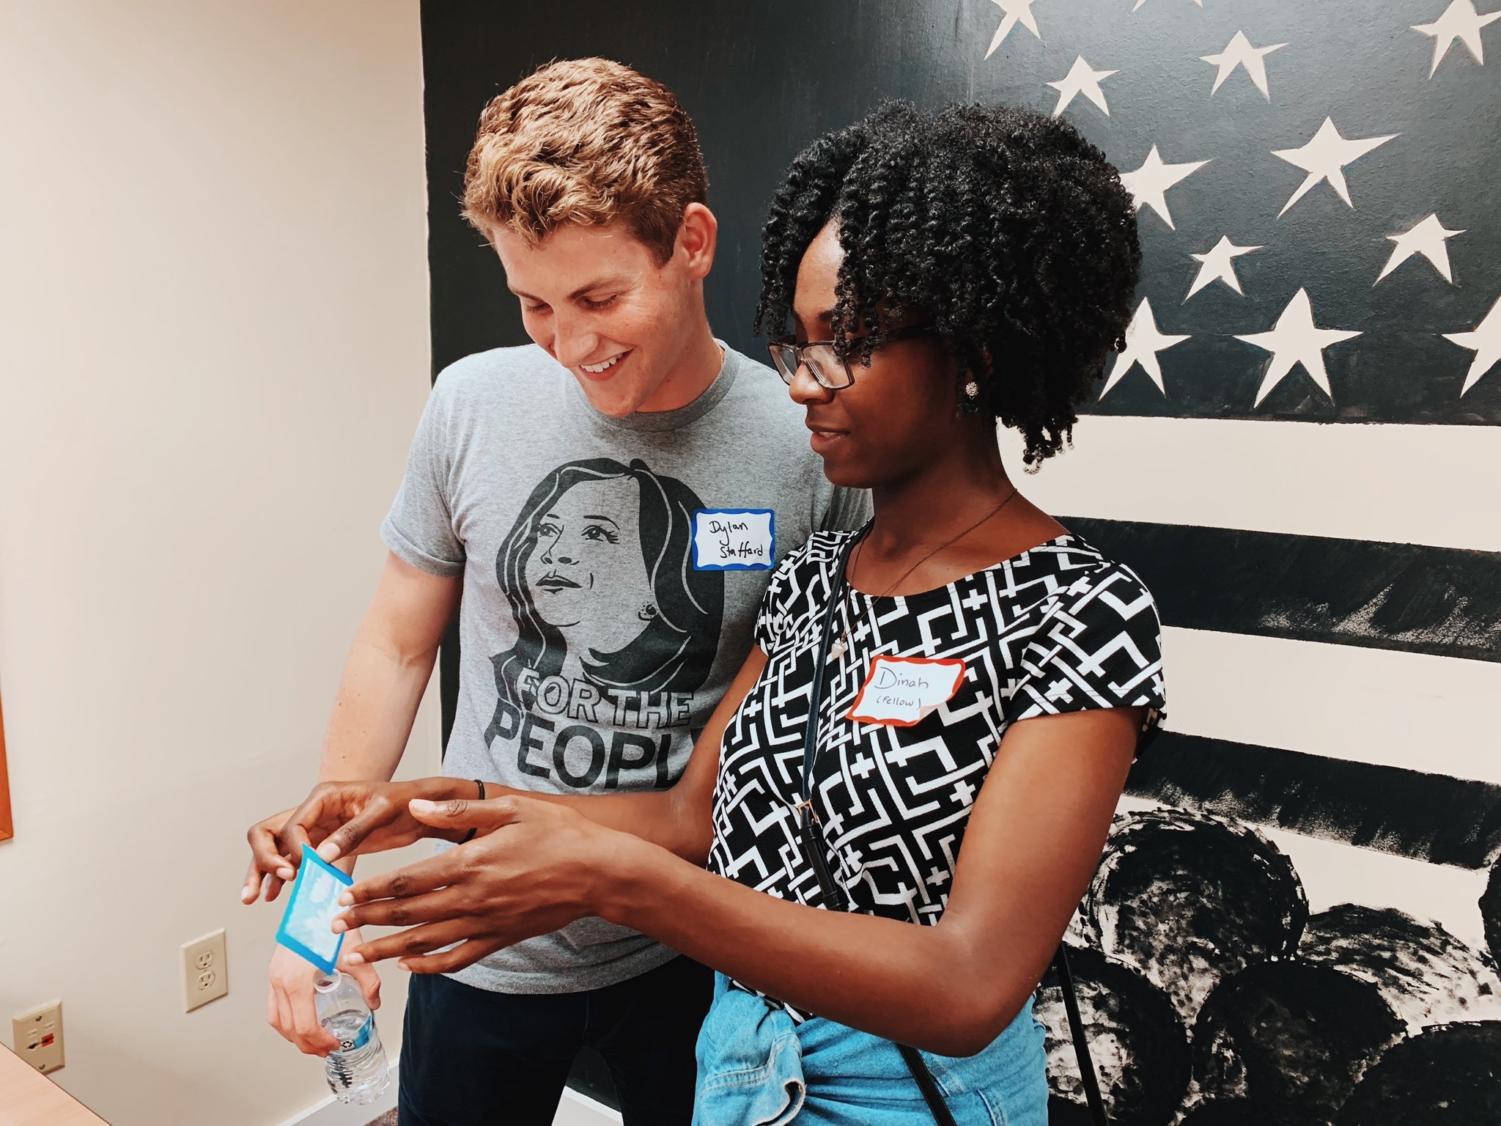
823,364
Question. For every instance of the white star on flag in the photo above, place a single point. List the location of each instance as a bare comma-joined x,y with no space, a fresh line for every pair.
1324,158
1239,52
1149,183
1427,239
1485,341
1081,79
1017,12
1143,342
1217,265
1294,340
1460,21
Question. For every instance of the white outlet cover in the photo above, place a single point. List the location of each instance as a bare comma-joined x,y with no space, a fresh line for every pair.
37,1036
205,970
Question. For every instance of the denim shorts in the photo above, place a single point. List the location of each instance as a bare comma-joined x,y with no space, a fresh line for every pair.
756,1067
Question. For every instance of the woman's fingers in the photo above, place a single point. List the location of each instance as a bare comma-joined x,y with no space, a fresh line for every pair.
347,838
447,961
260,885
414,879
324,804
412,910
254,880
411,943
265,849
461,813
296,838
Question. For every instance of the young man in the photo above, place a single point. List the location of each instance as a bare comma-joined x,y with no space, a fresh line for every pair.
610,502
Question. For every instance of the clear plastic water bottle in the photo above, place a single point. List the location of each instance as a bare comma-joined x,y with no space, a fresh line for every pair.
356,1069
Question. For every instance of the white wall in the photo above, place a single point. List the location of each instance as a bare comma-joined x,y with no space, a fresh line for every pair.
213,352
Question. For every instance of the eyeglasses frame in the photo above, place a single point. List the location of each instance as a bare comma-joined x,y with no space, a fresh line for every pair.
911,332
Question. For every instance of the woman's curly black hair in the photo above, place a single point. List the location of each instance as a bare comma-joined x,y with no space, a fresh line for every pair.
1005,231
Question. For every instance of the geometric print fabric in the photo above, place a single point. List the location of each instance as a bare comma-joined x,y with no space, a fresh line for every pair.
1057,628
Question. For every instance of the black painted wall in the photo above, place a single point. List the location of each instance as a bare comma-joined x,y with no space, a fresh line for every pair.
1230,998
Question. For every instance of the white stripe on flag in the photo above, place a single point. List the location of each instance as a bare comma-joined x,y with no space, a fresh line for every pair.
1366,481
1378,706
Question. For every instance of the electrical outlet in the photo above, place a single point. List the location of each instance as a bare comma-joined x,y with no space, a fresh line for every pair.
205,970
38,1036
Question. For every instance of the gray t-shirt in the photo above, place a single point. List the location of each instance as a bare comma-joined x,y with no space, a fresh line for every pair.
612,571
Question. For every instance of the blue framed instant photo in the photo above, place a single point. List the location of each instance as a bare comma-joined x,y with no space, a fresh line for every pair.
311,908
734,539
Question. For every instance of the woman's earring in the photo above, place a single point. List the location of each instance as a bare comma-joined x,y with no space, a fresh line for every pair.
970,404
647,612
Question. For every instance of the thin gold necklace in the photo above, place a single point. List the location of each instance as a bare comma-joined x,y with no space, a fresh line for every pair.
841,645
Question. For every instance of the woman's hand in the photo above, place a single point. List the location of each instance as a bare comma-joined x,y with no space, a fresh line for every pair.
270,865
350,818
536,867
340,819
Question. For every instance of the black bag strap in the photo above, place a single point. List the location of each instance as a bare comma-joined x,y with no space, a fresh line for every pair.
1081,1043
927,1085
833,897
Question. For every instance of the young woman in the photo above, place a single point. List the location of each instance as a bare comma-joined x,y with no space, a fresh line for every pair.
905,791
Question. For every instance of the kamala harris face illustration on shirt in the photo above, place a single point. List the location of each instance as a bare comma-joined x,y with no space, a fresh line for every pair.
598,573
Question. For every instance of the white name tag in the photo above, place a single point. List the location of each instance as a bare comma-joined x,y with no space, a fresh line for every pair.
901,691
734,539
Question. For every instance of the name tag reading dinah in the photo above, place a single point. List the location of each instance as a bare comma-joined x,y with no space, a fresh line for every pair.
902,691
734,539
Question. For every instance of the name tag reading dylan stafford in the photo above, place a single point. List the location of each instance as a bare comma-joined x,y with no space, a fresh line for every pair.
901,691
729,539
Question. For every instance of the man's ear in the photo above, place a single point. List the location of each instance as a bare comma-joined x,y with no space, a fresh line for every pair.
698,235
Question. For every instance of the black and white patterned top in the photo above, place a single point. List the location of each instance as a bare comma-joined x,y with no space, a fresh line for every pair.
1055,629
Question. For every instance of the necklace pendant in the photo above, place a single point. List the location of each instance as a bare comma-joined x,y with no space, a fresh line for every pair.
838,649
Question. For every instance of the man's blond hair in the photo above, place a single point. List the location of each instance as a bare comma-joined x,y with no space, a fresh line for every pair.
585,141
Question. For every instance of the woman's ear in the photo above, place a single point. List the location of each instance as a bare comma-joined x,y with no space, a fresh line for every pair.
974,383
969,396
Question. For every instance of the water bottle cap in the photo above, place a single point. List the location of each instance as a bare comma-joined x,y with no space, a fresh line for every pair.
327,983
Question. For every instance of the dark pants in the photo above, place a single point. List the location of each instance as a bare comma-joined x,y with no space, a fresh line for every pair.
469,1056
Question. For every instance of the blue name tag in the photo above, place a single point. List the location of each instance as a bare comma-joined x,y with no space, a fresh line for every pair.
311,910
734,539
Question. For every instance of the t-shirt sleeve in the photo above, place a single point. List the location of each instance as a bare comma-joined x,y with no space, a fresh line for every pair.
419,527
847,510
1101,648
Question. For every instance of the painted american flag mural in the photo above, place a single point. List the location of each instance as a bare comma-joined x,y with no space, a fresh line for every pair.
1298,917
1299,913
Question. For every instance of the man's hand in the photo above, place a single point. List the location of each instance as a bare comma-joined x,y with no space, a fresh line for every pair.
290,1005
341,819
537,866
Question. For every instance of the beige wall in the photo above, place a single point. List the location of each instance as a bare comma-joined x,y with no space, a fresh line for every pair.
213,352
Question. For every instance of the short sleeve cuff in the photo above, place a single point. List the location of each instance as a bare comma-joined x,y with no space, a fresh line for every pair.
405,549
1103,650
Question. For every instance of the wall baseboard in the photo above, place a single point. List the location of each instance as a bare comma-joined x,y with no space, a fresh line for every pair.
329,1111
575,1109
